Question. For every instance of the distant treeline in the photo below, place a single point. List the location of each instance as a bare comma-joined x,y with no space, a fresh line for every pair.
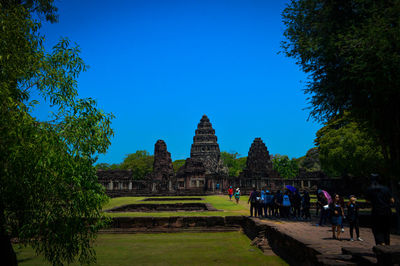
141,163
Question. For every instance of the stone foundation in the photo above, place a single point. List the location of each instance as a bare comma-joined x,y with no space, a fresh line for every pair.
171,199
149,207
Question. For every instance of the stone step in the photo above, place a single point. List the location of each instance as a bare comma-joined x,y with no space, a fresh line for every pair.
360,255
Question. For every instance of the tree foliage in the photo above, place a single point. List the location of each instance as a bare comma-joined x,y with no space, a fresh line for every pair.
346,149
350,49
49,194
234,163
177,164
284,166
310,162
140,162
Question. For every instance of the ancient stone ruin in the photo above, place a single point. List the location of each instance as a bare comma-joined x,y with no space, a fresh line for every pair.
162,177
192,175
202,171
258,171
206,149
258,164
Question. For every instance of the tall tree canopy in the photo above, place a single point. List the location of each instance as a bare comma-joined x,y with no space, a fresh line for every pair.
140,162
347,150
351,51
284,166
49,194
234,163
310,162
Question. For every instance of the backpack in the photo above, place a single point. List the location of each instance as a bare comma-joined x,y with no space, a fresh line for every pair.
286,201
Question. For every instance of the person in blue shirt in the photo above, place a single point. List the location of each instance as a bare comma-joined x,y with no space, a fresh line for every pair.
286,205
262,203
268,203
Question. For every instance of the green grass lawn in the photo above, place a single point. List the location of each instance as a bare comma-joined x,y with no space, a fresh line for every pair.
222,203
228,248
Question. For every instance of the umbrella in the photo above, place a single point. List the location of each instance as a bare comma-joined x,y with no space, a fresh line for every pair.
293,189
327,196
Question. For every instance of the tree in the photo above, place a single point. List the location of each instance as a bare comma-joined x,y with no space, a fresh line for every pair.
177,164
347,150
49,194
310,161
350,49
140,162
284,166
233,162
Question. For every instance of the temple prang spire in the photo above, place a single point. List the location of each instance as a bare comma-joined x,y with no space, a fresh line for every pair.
205,147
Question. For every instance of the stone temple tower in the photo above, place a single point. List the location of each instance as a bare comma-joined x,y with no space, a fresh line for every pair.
258,163
206,149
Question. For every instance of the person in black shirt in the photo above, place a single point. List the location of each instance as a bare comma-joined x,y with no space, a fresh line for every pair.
296,205
352,217
305,202
322,201
381,200
253,203
278,203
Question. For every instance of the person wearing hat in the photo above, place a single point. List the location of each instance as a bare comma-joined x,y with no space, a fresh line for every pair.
230,193
381,200
237,195
352,217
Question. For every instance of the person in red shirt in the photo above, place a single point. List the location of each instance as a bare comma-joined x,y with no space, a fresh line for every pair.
230,192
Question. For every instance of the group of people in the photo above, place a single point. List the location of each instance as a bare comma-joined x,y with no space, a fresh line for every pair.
235,194
335,210
293,204
381,201
290,204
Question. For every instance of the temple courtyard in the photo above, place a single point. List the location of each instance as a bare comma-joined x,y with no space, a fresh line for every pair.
223,234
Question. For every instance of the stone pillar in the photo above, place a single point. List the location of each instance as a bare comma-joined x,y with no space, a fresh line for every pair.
302,183
309,183
111,185
130,185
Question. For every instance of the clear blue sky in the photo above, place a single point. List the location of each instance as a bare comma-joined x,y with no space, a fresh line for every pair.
158,66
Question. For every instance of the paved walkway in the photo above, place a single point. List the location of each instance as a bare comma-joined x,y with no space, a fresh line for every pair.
320,237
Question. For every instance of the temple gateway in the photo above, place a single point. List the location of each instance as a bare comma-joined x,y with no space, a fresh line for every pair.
201,172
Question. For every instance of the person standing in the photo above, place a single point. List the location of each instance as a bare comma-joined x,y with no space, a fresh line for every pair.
230,193
263,213
296,204
352,217
336,216
305,202
237,195
286,204
278,203
323,202
318,205
268,204
381,200
253,202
